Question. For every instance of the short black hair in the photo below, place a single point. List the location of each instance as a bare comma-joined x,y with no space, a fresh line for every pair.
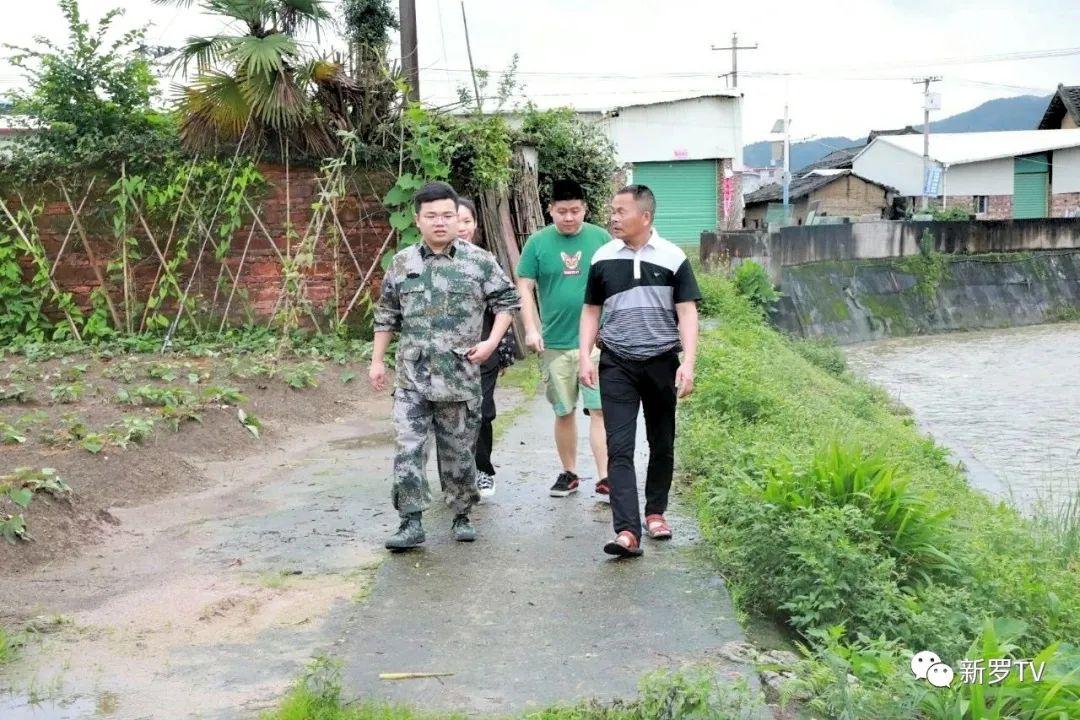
464,202
435,191
566,190
643,195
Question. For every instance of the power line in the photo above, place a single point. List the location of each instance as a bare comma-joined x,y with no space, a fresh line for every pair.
828,71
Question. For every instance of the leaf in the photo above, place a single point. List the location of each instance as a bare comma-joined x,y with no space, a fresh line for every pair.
348,376
249,421
387,258
21,497
401,220
193,378
397,196
93,444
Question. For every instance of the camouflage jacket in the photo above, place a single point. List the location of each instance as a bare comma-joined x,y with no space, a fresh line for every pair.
436,303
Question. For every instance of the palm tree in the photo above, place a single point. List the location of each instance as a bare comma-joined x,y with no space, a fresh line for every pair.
260,86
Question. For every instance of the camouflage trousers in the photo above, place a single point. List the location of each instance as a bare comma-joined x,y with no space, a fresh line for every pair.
455,426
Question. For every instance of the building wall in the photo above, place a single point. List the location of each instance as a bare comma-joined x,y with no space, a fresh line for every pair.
729,217
889,165
1068,122
850,196
697,129
1065,205
990,177
1065,174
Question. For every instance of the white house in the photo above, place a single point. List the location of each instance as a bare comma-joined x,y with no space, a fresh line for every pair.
688,151
996,175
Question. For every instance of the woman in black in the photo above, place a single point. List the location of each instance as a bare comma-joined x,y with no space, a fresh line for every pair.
489,371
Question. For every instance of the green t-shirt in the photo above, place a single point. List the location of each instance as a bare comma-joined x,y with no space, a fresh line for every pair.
560,266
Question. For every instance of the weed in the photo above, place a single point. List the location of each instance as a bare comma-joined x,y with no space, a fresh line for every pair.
161,371
122,372
13,528
249,421
131,429
11,435
177,415
67,393
304,375
16,392
223,395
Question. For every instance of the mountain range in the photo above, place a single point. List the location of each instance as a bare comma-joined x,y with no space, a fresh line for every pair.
1015,113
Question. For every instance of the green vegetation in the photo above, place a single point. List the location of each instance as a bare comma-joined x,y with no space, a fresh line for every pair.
831,515
754,283
9,645
691,694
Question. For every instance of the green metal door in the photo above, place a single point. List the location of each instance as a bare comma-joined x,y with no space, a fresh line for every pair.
685,197
1031,184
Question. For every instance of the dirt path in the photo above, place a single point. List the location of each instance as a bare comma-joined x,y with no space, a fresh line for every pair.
209,605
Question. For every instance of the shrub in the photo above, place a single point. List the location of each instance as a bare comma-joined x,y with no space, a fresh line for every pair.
755,285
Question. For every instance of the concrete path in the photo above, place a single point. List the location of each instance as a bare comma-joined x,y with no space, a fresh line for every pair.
209,605
534,613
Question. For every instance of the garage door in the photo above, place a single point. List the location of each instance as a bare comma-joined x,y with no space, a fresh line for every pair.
1031,185
685,197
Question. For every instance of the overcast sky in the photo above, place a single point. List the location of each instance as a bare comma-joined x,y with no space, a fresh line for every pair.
844,66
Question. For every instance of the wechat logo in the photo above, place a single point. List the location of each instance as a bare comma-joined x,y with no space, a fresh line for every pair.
927,666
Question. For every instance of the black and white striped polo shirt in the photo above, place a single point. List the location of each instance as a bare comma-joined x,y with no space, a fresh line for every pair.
638,291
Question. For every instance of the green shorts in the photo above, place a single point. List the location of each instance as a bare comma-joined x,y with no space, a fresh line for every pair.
560,373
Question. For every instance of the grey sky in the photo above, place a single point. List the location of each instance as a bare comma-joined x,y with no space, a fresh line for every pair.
852,59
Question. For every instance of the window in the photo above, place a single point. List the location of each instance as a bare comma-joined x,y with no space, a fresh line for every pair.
980,203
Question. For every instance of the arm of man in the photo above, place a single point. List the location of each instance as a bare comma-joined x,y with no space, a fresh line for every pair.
502,300
528,270
387,321
534,340
688,334
687,294
587,331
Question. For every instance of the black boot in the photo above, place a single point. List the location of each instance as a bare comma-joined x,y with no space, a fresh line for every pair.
463,529
409,534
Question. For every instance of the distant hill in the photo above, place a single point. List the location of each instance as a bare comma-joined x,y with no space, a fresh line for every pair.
1018,113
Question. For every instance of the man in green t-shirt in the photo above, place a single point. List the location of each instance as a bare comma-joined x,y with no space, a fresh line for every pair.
555,265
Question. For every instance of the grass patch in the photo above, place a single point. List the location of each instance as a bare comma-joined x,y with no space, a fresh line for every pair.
829,513
524,375
9,645
690,694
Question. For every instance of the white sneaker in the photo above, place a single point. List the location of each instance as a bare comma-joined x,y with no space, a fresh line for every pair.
485,484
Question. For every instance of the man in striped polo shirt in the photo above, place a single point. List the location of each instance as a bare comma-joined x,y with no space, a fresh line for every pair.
641,300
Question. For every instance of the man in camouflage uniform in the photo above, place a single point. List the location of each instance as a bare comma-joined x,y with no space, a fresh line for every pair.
434,295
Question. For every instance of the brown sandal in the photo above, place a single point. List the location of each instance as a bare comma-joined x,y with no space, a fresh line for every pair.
624,545
657,527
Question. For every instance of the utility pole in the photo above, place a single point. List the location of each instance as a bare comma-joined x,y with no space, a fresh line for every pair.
735,48
925,81
472,70
410,62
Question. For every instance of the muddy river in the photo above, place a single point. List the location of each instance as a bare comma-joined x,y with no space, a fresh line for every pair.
1005,402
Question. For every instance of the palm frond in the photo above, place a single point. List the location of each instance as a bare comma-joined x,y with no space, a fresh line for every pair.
205,52
264,56
215,108
276,99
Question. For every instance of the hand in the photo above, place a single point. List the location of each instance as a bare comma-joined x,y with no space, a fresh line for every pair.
534,341
587,373
684,380
377,375
479,353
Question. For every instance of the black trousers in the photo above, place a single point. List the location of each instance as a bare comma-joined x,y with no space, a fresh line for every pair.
626,386
487,415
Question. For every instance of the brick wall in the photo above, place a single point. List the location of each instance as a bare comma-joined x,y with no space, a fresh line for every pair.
998,207
734,219
362,221
1065,205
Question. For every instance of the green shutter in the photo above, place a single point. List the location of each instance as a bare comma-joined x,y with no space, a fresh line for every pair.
1031,182
685,197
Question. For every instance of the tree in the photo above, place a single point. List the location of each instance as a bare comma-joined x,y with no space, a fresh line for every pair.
259,88
89,98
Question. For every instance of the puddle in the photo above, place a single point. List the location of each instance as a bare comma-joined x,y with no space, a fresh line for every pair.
23,707
364,441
